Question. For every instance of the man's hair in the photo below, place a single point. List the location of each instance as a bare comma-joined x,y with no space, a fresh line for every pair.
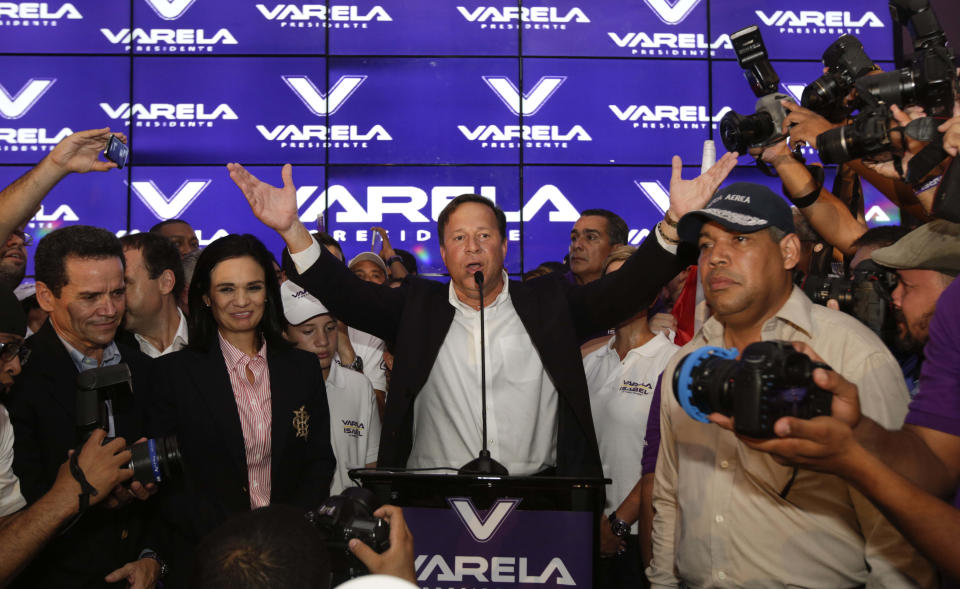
156,228
325,239
448,210
269,547
776,234
78,241
159,254
881,236
619,253
617,229
202,328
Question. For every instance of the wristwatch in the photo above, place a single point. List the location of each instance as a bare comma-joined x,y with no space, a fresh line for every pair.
393,259
619,527
164,567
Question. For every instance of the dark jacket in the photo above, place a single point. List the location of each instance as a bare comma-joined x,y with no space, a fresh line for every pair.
194,400
43,412
415,318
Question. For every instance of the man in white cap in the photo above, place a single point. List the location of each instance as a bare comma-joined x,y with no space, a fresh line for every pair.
354,419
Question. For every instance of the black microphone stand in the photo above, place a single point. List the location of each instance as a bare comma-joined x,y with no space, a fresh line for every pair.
483,464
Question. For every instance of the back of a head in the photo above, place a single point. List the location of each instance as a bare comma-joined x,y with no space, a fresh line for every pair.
270,547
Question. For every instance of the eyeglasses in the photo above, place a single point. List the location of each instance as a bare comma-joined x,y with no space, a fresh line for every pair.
26,237
10,350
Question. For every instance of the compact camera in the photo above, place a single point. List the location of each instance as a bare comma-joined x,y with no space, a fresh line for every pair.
740,132
106,391
770,381
865,293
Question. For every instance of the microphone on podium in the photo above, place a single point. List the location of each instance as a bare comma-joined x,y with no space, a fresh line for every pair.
483,464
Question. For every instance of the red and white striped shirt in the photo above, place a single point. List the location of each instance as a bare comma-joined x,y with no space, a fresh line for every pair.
255,409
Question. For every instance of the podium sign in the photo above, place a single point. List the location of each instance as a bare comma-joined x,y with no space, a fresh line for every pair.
488,532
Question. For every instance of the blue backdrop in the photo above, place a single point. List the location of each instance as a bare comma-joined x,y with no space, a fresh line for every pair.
388,109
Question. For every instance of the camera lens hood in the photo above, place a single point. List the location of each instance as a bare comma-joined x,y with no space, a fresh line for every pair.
683,379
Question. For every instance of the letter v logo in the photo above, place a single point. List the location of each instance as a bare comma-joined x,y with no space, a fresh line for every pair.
532,101
165,207
672,14
482,529
170,9
319,103
655,193
14,107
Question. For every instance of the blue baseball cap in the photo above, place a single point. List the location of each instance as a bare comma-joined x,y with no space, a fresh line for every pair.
743,207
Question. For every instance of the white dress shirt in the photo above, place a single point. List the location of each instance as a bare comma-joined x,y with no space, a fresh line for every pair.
521,398
522,401
354,423
620,396
179,340
11,500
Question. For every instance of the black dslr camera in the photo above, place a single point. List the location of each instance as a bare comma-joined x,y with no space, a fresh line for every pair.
344,517
867,136
106,390
770,381
846,62
865,293
931,79
762,128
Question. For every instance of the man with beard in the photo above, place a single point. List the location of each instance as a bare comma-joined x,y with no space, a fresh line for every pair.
13,259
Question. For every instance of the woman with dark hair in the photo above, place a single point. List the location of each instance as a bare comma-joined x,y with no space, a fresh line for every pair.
249,411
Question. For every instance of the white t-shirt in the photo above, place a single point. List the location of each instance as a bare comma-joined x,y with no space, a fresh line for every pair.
620,396
354,423
370,348
11,500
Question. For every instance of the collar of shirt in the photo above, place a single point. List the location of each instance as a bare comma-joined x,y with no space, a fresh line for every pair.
237,360
179,342
796,312
650,349
465,308
111,356
335,377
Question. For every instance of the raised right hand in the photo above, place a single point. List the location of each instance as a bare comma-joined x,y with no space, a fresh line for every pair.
396,560
80,152
274,207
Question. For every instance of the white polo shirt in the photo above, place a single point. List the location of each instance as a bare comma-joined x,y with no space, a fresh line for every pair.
620,396
370,349
354,423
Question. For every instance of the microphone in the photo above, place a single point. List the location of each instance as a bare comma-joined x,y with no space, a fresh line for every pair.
483,464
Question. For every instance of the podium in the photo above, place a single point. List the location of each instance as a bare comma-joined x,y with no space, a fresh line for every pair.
485,532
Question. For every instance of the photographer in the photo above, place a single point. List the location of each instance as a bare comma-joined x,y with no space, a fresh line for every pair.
726,514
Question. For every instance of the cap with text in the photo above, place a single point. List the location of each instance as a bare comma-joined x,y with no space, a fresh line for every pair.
298,304
743,207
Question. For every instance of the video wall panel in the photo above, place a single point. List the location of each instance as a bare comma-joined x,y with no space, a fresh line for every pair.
389,108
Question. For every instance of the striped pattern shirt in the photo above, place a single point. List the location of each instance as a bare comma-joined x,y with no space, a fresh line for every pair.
255,409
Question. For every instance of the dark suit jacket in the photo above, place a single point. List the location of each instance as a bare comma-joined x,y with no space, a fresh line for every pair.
415,319
43,411
194,400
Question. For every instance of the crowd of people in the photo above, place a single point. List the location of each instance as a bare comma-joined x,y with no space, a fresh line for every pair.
272,374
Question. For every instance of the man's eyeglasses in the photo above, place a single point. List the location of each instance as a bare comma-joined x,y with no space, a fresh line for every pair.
26,237
14,349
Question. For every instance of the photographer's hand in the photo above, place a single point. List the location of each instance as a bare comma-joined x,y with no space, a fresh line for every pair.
102,465
910,147
396,560
951,135
803,125
123,494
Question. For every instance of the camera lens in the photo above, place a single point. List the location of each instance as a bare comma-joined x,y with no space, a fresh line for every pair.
730,132
837,145
739,132
822,93
155,460
896,87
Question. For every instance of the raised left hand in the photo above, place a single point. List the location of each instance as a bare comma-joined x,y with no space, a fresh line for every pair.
690,195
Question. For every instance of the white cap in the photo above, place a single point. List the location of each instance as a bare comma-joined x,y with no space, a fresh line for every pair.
376,582
369,257
298,304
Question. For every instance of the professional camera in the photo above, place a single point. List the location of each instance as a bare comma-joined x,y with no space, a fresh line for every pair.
772,380
105,390
762,128
867,136
846,62
344,517
865,293
931,79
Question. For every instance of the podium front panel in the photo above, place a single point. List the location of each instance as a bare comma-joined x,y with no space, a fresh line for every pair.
475,532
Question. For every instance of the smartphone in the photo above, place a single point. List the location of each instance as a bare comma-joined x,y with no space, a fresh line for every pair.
374,236
116,151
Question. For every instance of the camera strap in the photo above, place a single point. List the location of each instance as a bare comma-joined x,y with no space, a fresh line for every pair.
924,162
86,489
